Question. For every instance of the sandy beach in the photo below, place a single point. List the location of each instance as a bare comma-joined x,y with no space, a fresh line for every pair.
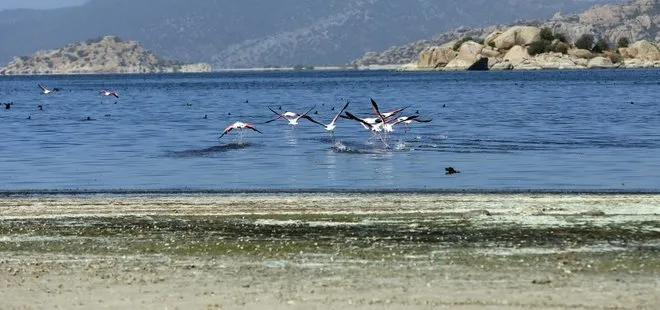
329,251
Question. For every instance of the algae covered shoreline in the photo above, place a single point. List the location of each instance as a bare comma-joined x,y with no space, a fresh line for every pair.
560,241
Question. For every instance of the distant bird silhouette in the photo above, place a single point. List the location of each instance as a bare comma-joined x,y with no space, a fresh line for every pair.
632,102
333,108
8,105
316,112
41,108
443,105
246,101
29,117
188,104
280,108
205,116
451,170
108,115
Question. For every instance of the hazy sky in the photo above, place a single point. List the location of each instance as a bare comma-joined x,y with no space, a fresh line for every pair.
37,4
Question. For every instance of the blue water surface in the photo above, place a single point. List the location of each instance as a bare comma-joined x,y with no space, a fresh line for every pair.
596,129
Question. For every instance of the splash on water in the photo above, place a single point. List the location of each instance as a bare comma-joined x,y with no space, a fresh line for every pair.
401,146
340,147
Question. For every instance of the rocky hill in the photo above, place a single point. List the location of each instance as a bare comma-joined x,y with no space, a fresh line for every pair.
252,33
636,20
533,48
107,54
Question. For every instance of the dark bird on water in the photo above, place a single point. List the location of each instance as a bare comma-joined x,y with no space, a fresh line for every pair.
205,116
8,105
451,170
29,117
41,108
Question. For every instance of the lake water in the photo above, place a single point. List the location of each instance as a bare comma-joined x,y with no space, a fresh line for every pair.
573,130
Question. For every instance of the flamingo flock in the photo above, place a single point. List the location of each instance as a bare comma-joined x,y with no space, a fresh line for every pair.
380,126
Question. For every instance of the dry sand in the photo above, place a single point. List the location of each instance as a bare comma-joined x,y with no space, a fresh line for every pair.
330,251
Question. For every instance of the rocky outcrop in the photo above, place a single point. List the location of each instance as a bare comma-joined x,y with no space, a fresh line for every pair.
108,54
643,50
435,57
517,35
636,20
580,53
475,56
600,62
499,66
468,54
516,55
559,61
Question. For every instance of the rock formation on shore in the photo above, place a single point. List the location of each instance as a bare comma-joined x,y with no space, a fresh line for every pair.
529,48
107,54
635,20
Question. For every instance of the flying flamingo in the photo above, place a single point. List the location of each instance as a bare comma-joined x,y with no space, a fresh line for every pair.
106,92
388,127
46,91
289,116
407,121
330,127
393,112
239,126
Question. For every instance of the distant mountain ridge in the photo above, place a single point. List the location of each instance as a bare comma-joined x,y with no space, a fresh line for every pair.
252,33
634,19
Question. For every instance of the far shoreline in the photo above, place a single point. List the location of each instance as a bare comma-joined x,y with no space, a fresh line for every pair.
390,68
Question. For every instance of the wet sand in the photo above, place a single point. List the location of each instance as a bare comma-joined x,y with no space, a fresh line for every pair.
329,251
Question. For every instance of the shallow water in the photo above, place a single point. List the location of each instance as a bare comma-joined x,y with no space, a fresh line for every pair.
501,130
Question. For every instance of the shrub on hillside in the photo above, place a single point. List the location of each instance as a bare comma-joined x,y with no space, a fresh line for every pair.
622,42
616,58
586,42
561,47
539,47
561,37
601,46
546,34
